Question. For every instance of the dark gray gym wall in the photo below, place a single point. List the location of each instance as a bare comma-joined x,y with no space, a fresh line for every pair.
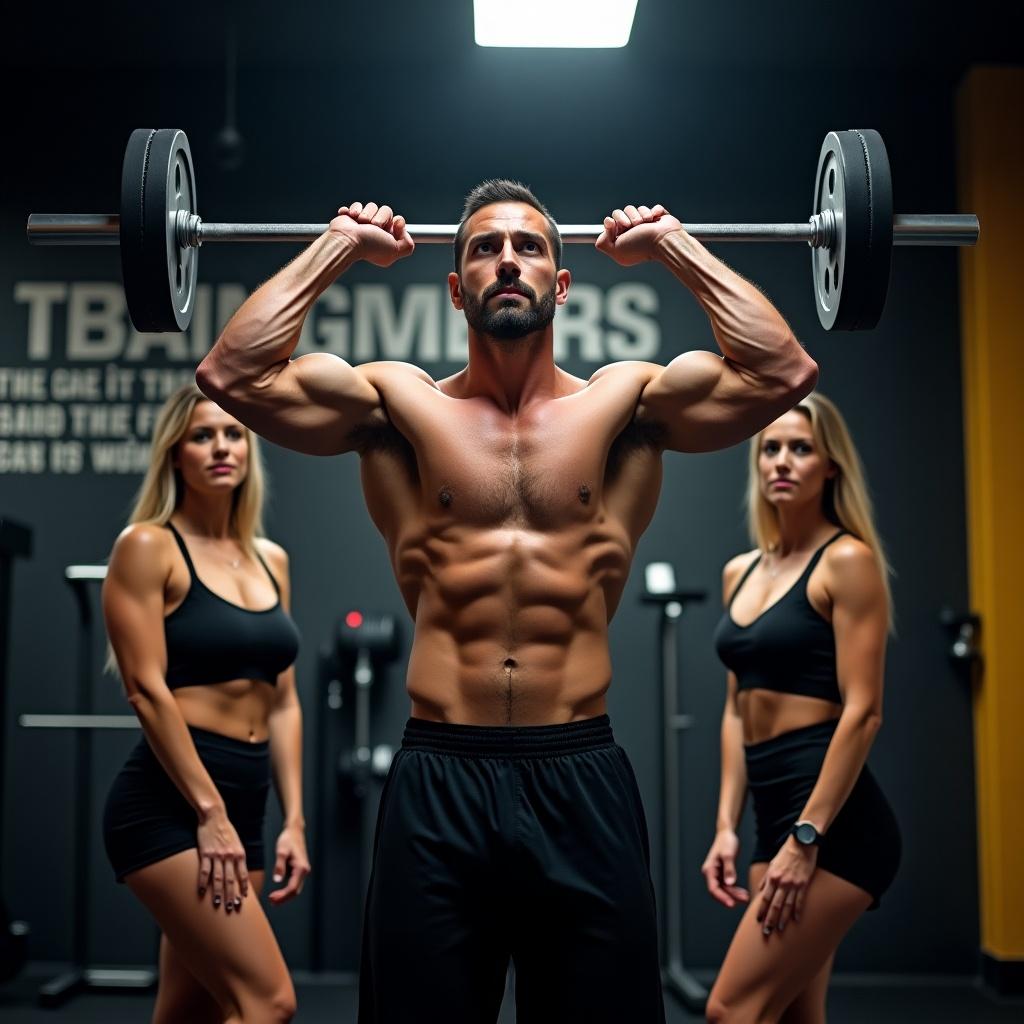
718,121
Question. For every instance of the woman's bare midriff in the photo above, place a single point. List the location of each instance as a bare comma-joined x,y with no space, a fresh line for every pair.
767,713
239,709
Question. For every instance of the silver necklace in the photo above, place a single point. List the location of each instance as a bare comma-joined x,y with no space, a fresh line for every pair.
235,563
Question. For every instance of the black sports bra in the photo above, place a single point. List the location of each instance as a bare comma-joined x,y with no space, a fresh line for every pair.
210,640
788,648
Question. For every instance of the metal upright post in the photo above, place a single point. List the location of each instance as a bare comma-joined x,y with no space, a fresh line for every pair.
15,541
81,976
328,703
675,977
365,644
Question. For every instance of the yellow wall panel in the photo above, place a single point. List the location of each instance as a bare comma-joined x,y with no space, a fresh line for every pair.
990,126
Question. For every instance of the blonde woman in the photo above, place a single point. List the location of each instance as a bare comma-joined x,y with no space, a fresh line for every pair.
196,606
803,637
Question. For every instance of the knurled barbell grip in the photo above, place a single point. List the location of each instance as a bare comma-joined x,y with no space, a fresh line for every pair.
445,233
103,229
192,231
818,231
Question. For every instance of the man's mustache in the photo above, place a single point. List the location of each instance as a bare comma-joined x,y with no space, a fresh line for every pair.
501,286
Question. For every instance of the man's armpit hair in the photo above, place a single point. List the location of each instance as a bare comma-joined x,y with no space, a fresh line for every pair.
635,436
381,435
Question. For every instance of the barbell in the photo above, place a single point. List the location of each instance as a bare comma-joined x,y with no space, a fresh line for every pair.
851,231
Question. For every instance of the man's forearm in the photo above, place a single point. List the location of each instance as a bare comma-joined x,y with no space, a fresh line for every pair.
266,328
750,331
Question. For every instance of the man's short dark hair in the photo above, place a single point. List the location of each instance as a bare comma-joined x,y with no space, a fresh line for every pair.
502,190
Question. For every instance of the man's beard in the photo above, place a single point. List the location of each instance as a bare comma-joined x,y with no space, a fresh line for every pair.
508,321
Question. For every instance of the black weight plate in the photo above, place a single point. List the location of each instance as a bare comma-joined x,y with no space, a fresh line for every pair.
157,180
851,278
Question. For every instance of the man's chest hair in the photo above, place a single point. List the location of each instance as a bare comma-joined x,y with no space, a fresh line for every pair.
543,478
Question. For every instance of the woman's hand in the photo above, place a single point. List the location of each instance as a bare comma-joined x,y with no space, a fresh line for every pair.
719,869
291,861
221,861
784,885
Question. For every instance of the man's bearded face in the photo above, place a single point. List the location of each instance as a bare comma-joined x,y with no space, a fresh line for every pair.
508,318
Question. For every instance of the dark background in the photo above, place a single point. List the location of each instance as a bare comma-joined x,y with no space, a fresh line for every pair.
717,111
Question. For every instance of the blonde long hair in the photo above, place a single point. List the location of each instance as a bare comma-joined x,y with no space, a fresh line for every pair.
162,488
845,501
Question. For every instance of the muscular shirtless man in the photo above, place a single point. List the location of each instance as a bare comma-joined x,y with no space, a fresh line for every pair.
511,496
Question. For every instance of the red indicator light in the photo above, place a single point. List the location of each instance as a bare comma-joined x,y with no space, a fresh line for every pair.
354,620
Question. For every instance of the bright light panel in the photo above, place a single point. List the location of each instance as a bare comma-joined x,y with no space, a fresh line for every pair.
568,23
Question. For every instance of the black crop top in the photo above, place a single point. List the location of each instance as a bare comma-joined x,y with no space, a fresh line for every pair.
211,640
788,648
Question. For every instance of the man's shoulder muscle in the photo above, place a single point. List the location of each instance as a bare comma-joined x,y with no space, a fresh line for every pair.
628,372
394,372
628,379
395,381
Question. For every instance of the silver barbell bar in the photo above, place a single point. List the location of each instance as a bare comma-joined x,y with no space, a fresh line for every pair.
190,231
78,722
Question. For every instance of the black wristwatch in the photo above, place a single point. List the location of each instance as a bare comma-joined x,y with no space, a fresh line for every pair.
805,833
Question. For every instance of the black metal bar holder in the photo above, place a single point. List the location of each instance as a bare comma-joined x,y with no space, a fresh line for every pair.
358,766
363,676
963,630
15,541
330,694
675,977
81,977
358,651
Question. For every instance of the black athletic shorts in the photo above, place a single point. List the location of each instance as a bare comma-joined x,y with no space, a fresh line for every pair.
862,845
522,843
146,818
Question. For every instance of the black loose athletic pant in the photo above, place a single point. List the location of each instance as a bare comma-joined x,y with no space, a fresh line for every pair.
526,843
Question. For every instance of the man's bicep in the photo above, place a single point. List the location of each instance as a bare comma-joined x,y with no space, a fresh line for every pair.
311,404
689,399
704,402
327,383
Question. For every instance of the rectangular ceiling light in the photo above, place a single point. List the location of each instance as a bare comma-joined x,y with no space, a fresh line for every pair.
594,23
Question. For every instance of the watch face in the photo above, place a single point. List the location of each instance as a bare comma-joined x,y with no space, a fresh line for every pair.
805,833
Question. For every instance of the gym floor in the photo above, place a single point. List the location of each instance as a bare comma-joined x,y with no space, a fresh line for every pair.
853,999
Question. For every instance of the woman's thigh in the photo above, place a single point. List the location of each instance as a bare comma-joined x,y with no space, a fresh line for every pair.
235,957
809,1005
181,995
763,974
